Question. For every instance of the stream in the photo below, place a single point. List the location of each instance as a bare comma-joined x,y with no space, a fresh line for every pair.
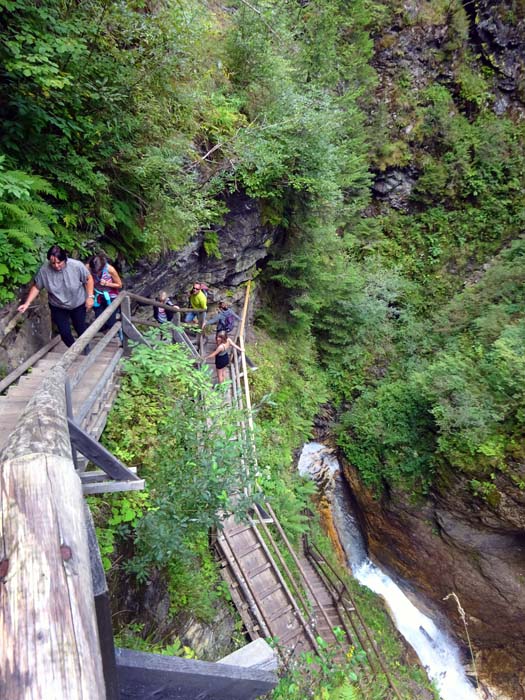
437,652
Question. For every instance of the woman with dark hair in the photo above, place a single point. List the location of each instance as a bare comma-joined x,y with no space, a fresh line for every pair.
221,355
70,292
107,284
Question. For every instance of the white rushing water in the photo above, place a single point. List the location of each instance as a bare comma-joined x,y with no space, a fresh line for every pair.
436,651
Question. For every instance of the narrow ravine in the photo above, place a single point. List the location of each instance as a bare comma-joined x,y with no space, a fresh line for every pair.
436,650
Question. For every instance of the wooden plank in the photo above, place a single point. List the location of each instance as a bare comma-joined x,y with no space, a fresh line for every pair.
253,573
266,592
112,486
281,612
249,550
144,676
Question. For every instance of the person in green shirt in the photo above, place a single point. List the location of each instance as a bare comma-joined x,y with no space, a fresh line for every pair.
199,302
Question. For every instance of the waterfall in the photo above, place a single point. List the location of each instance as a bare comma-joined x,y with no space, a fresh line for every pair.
436,650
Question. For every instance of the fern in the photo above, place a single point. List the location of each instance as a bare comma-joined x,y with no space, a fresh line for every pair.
25,232
344,692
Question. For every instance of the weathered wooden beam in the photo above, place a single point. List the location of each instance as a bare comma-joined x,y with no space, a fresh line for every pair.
50,646
112,487
98,454
144,675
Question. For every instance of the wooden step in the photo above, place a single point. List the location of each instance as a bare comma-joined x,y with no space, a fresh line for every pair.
232,532
248,550
259,570
280,612
292,634
267,592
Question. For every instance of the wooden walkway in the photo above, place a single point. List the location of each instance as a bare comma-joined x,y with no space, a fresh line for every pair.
293,597
273,600
92,384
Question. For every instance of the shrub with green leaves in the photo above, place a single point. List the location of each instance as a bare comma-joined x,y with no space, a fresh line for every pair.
172,424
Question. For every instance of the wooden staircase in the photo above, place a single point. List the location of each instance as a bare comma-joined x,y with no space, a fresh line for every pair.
13,403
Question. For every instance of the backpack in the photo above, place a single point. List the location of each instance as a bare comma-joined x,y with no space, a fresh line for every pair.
227,323
204,289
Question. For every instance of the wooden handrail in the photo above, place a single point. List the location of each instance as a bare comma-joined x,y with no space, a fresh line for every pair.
47,611
19,371
377,654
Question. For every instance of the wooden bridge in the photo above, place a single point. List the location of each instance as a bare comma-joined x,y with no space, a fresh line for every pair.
55,619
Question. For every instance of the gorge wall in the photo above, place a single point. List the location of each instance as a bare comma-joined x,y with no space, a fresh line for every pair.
244,241
453,540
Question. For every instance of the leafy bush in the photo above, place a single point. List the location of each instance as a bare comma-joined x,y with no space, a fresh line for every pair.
170,422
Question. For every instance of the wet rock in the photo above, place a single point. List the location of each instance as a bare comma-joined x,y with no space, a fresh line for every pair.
395,186
149,606
453,541
23,335
243,243
499,28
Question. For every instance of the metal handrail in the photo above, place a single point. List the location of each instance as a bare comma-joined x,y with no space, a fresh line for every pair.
318,559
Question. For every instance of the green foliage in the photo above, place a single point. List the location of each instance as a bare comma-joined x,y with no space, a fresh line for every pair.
25,227
388,435
211,244
170,422
462,404
319,676
287,391
90,103
130,637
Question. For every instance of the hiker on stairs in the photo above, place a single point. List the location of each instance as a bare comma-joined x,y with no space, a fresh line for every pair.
198,302
225,318
107,285
69,287
163,315
221,354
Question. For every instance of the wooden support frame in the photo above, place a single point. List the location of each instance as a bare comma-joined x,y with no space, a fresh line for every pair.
98,454
144,676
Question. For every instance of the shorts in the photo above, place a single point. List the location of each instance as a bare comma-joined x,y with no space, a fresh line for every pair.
222,361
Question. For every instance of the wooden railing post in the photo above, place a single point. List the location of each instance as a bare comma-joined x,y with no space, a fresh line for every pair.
126,316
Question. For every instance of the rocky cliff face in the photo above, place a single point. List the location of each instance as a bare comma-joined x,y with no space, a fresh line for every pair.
455,542
498,28
243,243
